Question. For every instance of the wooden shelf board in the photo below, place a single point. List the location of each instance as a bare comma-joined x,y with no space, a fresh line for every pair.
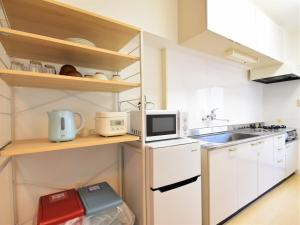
37,47
44,80
59,20
44,145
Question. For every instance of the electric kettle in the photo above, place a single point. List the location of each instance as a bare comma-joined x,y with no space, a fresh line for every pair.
62,126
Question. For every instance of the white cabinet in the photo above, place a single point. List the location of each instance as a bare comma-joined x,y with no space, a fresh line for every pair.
247,173
233,19
265,165
244,23
223,198
216,26
269,36
232,180
291,156
220,17
239,174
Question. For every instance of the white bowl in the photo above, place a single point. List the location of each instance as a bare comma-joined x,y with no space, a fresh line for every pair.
81,41
100,77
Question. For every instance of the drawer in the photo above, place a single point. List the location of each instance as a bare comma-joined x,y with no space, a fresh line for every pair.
279,140
279,153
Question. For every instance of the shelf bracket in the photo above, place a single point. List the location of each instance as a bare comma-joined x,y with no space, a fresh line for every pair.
133,50
4,146
133,75
4,164
5,15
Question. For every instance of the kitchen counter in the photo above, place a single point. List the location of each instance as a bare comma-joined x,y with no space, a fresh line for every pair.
261,134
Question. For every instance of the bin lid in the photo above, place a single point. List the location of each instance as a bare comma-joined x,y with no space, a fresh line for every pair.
59,207
99,197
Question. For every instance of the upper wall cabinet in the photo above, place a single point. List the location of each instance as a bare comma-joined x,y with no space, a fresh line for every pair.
233,19
218,27
269,36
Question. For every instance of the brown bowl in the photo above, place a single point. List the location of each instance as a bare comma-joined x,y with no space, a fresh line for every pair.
69,70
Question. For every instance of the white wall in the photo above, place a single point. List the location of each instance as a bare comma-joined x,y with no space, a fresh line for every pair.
198,83
153,76
280,103
154,16
292,47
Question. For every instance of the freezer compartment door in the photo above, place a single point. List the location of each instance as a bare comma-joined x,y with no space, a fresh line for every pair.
169,165
177,206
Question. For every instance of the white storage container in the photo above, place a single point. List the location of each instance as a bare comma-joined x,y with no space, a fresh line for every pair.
111,123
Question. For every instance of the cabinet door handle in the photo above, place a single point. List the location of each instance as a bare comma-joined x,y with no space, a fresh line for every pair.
279,161
279,149
257,143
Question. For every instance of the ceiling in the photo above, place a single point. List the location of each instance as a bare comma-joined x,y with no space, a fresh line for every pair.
286,13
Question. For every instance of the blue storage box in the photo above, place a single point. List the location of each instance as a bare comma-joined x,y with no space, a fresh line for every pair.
99,197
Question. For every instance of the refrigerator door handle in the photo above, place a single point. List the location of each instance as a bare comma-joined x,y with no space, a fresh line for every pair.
176,185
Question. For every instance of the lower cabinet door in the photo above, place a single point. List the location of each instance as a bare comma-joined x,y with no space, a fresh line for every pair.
266,168
291,156
223,197
247,173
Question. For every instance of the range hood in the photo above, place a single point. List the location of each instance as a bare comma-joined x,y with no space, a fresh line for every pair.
275,74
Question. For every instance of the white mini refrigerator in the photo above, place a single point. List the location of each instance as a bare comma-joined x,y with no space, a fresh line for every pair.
174,182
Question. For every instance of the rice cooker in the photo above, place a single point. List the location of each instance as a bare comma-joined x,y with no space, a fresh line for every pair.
111,123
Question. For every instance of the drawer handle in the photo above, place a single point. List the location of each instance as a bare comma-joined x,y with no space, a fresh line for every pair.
279,161
257,143
232,149
279,149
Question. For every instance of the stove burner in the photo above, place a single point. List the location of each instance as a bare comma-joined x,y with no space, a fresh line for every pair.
274,127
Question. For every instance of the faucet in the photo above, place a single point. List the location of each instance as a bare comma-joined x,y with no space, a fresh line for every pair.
212,116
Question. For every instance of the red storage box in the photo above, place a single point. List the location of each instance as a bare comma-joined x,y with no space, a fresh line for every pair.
57,208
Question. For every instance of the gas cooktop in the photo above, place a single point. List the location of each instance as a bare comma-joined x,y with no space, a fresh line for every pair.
274,127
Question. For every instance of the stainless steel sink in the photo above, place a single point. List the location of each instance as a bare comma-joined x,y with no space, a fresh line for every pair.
224,137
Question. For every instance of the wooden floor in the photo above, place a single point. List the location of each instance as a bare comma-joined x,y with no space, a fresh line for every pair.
281,206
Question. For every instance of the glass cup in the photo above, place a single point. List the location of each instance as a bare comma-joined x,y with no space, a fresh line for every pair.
36,66
49,69
15,65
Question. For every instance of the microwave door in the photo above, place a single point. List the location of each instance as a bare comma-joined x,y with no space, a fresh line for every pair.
161,127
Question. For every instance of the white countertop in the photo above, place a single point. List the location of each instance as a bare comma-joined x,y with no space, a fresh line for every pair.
261,134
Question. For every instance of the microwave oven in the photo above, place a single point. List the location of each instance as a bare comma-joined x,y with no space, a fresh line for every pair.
160,124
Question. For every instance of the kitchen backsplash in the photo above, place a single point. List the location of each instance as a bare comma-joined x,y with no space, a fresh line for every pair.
198,83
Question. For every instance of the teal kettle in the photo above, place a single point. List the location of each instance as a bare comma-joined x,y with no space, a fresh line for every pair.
62,125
